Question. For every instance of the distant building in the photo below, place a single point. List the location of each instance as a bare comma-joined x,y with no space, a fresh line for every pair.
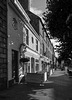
46,47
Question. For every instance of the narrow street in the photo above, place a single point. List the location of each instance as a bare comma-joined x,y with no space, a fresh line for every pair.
58,87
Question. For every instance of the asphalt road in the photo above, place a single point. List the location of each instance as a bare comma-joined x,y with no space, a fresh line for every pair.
58,87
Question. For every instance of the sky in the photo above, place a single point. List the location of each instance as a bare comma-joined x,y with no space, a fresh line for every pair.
38,7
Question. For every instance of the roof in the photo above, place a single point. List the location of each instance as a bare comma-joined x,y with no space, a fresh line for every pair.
34,21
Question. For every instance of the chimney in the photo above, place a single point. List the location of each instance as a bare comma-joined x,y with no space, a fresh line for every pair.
25,4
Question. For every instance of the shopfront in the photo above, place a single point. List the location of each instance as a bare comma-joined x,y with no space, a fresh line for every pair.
33,64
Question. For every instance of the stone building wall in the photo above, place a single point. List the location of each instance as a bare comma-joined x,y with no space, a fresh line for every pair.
3,44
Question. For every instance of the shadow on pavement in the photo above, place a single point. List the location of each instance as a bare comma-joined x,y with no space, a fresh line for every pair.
56,88
62,86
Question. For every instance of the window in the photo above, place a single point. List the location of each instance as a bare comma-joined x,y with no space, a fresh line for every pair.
43,34
37,45
28,68
32,40
46,39
27,37
48,43
46,51
43,49
37,67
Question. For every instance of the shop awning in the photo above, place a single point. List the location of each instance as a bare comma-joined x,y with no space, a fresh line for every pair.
32,53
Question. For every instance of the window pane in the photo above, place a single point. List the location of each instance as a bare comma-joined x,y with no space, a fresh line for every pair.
36,45
32,40
27,37
37,67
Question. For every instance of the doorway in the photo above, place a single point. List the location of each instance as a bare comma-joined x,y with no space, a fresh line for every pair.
15,65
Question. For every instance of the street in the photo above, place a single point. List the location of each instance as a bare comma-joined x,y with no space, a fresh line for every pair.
58,87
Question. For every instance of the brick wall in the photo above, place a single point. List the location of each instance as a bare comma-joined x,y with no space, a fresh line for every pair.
3,44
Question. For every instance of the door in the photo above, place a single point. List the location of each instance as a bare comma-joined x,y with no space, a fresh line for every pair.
15,65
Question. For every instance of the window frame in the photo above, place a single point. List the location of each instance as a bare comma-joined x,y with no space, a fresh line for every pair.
36,45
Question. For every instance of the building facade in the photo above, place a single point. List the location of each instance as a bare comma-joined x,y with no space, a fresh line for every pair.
17,18
46,47
24,43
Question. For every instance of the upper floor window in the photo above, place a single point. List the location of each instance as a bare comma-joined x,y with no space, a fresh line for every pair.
37,45
43,48
27,37
32,40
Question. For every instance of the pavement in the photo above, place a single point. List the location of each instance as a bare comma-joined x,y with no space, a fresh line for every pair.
57,87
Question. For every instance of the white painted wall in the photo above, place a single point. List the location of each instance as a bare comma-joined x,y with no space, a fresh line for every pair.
31,49
33,45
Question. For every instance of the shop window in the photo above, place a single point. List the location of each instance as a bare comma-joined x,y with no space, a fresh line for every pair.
42,65
37,60
37,45
32,64
37,67
28,68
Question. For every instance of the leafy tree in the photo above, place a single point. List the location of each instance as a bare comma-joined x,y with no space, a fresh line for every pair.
58,20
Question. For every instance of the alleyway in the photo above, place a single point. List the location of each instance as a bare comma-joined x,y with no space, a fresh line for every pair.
58,87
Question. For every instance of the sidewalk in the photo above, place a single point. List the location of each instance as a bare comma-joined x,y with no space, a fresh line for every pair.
15,92
58,87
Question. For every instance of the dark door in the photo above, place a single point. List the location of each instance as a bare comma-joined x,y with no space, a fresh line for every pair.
15,65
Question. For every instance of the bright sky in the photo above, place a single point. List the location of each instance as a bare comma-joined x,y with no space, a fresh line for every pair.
38,7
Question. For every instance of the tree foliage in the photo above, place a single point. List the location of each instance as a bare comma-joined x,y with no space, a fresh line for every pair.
58,20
